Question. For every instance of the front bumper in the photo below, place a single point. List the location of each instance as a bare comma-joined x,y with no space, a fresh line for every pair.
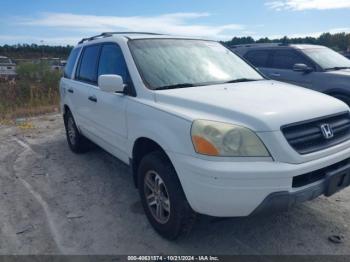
283,201
242,188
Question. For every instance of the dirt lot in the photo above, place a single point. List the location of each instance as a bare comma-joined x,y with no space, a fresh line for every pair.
55,202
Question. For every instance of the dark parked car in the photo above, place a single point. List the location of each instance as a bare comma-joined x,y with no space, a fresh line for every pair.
311,66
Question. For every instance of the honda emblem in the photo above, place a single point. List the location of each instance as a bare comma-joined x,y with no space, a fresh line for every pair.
327,131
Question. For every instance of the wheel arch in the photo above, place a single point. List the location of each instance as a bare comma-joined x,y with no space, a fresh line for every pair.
143,146
65,110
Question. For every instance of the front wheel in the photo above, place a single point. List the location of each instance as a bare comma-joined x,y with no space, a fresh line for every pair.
162,197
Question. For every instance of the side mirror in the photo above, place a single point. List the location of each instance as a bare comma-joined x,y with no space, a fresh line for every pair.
302,68
111,83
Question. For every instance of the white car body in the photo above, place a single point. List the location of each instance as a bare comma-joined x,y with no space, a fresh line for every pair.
216,186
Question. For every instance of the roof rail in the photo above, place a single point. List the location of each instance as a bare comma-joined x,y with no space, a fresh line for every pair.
259,45
109,34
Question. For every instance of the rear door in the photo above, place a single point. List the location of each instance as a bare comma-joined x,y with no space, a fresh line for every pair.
109,112
85,81
66,83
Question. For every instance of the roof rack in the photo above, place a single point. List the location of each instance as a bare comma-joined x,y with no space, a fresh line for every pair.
109,34
259,45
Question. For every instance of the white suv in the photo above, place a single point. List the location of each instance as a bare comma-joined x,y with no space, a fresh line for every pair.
202,131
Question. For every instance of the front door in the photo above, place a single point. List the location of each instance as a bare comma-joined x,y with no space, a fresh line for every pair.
281,68
110,108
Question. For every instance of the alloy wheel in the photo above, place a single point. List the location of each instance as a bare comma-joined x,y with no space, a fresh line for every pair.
157,197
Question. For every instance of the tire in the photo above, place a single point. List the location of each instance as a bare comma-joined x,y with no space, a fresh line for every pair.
176,217
343,98
76,141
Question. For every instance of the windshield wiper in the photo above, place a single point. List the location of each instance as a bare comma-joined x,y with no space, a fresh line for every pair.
338,68
239,80
184,85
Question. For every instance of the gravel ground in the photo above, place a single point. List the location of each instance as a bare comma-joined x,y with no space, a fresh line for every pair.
55,202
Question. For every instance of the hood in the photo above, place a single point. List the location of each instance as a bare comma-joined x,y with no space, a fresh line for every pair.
343,72
259,105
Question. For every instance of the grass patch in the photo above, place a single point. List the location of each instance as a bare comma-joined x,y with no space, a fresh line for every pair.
35,92
25,125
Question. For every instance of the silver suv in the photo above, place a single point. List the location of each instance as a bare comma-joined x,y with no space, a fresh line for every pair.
311,66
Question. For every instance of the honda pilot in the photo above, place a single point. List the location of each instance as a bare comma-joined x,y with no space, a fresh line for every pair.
202,131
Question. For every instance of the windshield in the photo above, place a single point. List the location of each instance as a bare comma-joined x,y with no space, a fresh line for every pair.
327,58
183,63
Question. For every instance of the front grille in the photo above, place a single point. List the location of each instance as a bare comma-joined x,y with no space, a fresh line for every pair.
307,137
303,180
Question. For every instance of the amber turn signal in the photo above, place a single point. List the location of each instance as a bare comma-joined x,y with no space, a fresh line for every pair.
204,147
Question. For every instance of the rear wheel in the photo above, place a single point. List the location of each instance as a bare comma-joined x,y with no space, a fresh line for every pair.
76,141
162,197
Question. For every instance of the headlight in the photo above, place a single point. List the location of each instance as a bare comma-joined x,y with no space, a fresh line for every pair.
220,139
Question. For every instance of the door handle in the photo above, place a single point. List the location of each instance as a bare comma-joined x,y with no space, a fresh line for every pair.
275,74
93,99
70,90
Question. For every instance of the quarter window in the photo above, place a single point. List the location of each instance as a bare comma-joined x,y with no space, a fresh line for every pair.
88,64
68,69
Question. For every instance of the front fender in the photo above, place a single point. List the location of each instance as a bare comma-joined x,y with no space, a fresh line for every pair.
171,132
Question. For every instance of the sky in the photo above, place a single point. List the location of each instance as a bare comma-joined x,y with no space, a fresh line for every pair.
65,22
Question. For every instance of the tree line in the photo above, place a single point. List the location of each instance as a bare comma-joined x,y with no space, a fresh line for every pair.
339,41
33,51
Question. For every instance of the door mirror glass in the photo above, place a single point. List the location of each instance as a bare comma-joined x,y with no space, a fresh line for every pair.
302,68
111,83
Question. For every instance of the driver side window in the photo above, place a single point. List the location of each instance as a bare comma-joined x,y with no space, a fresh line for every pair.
286,59
112,62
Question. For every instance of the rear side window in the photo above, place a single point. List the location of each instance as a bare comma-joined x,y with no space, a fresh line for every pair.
68,69
112,62
88,64
286,59
258,58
